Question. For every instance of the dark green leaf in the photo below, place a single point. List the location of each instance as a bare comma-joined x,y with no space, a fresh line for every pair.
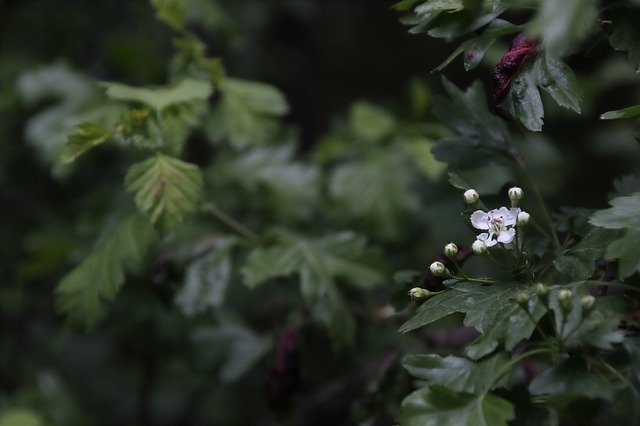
627,251
578,263
625,34
165,188
624,213
82,292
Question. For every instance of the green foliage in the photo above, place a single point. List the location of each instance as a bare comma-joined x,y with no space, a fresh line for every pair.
579,262
83,292
632,111
370,122
173,12
165,188
318,263
85,137
625,34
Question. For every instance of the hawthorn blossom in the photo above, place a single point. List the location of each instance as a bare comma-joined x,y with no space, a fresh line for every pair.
498,222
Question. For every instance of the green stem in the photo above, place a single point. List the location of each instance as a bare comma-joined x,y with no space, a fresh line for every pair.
542,333
605,366
231,222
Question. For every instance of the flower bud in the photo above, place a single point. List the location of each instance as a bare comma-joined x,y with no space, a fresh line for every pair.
587,303
438,269
451,250
564,297
418,293
523,299
471,196
515,195
542,291
479,247
523,218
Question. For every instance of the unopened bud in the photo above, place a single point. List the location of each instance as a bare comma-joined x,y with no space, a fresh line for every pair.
479,247
471,196
515,195
451,250
565,298
523,299
542,291
418,293
438,269
523,218
587,302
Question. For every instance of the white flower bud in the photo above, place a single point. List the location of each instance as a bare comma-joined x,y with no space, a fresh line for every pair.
451,250
523,299
471,196
515,195
523,218
587,303
419,293
542,291
479,247
438,269
564,297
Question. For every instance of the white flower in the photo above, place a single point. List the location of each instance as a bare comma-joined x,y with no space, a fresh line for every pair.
515,195
437,269
450,250
479,247
523,218
471,196
498,222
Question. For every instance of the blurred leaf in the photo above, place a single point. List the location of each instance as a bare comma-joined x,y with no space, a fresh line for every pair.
420,151
246,114
318,263
82,292
458,374
375,189
546,72
171,11
473,50
437,405
622,214
84,137
160,98
370,122
20,417
207,275
166,189
625,34
626,251
563,23
629,112
481,137
457,182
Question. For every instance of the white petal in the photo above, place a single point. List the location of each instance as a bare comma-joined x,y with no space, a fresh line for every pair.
511,216
487,239
507,236
479,220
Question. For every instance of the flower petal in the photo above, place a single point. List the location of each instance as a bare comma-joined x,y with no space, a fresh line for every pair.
507,235
479,220
511,216
487,239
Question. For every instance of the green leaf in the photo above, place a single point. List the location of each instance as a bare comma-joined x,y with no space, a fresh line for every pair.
459,374
626,251
624,213
457,182
625,34
546,72
375,190
491,309
20,417
84,137
247,113
165,188
629,112
578,263
481,137
207,276
563,23
172,12
82,292
318,264
439,406
573,379
370,122
158,99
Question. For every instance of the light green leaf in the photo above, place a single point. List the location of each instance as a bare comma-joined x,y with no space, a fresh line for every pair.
172,12
82,293
376,191
207,276
84,137
370,122
627,251
629,112
419,150
459,374
20,417
563,23
318,263
165,188
624,213
187,90
247,113
439,406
